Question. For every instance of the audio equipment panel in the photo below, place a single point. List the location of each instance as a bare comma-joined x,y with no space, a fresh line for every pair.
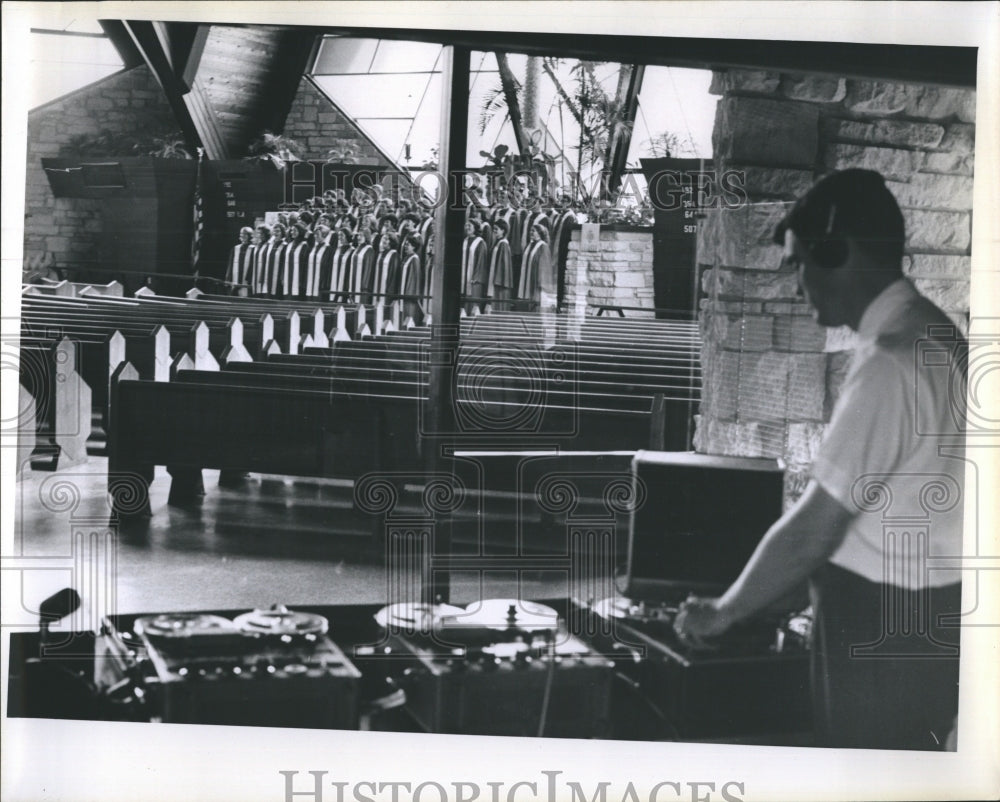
274,668
497,667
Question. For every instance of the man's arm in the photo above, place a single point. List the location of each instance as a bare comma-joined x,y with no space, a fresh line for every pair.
799,543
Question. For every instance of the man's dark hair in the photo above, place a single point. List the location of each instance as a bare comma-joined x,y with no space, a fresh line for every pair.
850,203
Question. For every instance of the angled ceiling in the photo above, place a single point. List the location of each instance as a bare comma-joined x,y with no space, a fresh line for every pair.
225,84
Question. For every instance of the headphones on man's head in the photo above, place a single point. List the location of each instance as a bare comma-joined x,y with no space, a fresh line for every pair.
830,249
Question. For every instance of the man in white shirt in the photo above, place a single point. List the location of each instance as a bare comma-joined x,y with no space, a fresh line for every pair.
883,510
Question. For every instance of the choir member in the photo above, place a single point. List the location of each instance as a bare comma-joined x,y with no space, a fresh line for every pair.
320,257
341,267
500,285
386,269
296,261
239,265
276,261
411,279
474,266
264,245
538,283
361,271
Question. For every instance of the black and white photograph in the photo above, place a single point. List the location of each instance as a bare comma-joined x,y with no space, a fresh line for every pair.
550,401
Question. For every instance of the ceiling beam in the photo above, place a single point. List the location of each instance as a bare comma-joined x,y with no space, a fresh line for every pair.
926,64
191,109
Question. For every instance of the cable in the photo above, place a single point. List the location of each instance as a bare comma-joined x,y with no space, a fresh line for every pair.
549,677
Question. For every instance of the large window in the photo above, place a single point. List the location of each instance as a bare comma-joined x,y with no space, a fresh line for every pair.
67,56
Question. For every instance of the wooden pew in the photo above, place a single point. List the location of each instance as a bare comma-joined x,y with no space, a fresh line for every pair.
55,403
189,425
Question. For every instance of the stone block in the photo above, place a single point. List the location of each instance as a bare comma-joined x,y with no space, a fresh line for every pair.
806,387
719,388
707,237
951,296
762,386
888,132
937,231
937,266
766,132
890,162
749,333
632,279
948,163
756,285
942,102
804,440
814,88
877,97
840,339
743,236
798,333
728,439
768,182
934,191
736,80
959,138
731,307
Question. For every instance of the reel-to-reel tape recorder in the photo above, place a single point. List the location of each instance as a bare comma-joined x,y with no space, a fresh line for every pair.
495,667
273,667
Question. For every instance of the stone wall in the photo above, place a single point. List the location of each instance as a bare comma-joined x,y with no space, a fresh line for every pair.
771,374
127,107
620,273
319,126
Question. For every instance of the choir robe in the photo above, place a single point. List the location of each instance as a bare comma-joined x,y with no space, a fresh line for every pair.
239,267
260,259
340,266
561,233
518,242
275,268
426,228
426,232
500,284
361,274
536,272
474,270
530,220
386,277
295,267
318,275
411,282
486,232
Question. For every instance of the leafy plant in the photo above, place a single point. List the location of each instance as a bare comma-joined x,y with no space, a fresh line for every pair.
275,149
344,153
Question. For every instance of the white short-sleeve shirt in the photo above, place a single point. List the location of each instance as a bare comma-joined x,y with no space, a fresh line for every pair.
894,450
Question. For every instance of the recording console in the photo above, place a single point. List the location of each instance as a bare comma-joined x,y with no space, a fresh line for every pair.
693,535
496,667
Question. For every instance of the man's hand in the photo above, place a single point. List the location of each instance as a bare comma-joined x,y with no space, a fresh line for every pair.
700,620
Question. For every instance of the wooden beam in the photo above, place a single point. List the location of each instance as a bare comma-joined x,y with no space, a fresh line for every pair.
197,128
192,60
619,151
289,65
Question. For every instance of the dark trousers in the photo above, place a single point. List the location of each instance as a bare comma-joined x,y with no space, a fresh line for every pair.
884,662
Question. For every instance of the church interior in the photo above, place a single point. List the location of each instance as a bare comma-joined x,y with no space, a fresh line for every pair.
408,380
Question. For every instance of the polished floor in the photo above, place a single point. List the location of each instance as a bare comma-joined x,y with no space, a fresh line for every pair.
270,540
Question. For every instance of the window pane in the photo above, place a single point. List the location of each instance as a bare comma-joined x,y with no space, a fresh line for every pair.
340,54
